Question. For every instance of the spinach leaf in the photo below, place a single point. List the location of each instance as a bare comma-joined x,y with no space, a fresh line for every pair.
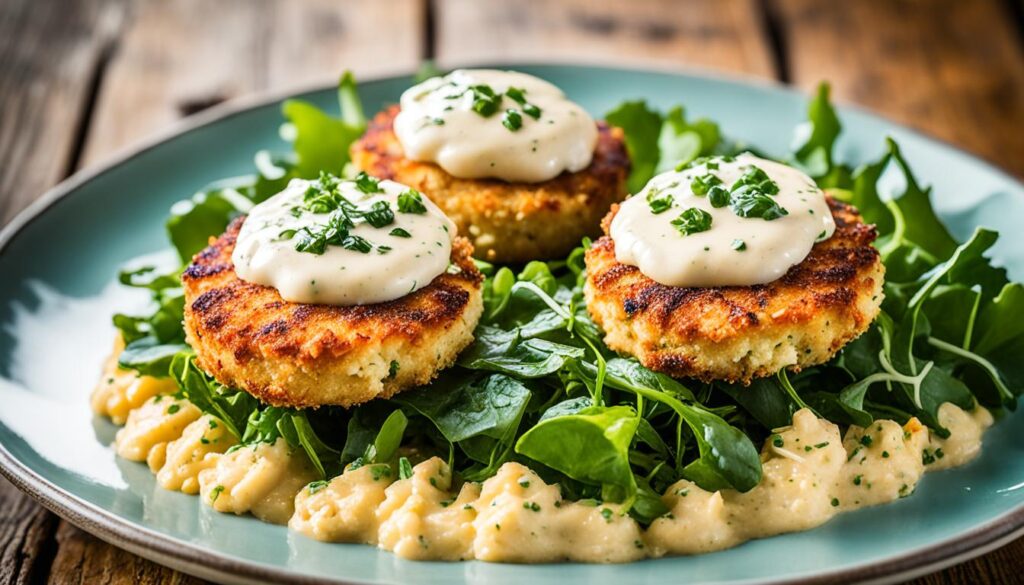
467,406
385,446
193,221
728,459
268,424
765,399
591,446
999,323
570,406
504,351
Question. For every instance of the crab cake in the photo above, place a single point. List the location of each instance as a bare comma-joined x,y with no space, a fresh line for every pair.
305,355
737,333
507,221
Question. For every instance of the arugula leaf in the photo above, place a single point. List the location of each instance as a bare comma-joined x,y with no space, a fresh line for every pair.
814,141
322,141
426,70
680,142
274,171
865,197
348,100
657,142
642,127
148,277
162,326
924,227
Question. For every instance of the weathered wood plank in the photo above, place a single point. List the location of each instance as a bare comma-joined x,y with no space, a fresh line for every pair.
179,57
84,560
25,530
722,34
950,68
49,55
1000,566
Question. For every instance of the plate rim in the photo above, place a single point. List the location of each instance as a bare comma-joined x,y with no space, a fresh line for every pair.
170,551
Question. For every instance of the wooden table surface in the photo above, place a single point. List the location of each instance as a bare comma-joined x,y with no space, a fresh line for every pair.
81,79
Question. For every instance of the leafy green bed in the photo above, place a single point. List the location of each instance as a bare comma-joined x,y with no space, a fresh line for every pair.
539,386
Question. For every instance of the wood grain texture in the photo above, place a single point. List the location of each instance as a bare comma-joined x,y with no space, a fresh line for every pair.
179,57
25,531
85,560
49,55
953,69
1001,567
721,34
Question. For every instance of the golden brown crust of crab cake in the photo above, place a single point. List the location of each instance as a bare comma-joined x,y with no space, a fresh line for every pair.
291,354
739,333
507,222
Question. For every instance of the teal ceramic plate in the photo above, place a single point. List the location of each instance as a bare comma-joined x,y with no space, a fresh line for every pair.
57,266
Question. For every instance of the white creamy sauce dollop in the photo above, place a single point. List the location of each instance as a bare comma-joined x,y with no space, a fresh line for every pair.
734,250
265,252
549,134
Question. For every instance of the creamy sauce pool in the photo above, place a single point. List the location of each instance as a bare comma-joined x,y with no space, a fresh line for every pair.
811,473
506,125
655,230
383,264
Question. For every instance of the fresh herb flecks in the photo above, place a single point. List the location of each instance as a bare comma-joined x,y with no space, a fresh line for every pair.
701,184
411,201
487,102
693,220
512,120
324,197
538,385
659,200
